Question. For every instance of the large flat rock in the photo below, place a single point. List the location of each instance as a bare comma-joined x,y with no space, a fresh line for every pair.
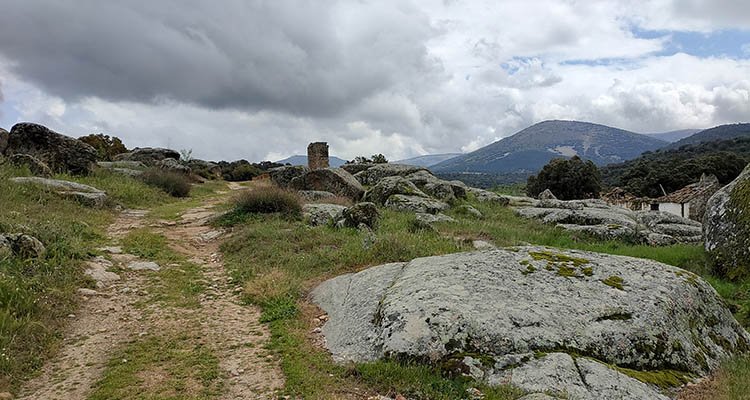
500,305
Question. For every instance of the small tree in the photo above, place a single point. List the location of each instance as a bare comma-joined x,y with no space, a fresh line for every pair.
107,147
379,159
568,179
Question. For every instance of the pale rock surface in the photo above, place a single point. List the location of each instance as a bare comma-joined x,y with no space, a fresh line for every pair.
507,304
322,214
415,204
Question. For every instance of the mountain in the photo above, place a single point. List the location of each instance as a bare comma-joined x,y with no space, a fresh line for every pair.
302,160
530,149
673,136
428,160
721,132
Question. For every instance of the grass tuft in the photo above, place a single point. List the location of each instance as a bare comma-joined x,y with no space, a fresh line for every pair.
173,183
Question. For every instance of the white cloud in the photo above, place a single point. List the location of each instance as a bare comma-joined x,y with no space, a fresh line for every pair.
398,78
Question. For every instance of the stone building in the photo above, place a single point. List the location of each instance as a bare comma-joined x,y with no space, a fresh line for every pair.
690,201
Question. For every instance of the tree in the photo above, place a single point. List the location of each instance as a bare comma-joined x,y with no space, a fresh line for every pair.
568,179
376,159
107,147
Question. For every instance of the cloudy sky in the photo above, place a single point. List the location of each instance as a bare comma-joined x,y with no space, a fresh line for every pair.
260,79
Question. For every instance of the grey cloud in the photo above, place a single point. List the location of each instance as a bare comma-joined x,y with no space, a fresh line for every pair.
311,58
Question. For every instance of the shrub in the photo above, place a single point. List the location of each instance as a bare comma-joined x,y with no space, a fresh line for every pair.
176,184
567,179
267,200
107,147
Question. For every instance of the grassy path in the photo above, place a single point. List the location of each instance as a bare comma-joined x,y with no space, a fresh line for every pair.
180,332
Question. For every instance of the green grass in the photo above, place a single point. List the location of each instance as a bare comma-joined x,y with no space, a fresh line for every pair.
279,260
122,189
168,366
178,282
172,210
37,295
733,379
275,257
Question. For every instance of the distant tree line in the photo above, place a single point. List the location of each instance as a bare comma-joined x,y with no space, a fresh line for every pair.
243,170
375,159
676,168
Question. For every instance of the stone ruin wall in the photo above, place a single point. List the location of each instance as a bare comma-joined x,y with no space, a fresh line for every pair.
317,155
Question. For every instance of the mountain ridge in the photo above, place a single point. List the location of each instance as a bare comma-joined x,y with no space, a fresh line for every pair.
720,132
528,150
428,160
299,159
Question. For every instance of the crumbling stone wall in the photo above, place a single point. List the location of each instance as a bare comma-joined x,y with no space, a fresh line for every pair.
317,155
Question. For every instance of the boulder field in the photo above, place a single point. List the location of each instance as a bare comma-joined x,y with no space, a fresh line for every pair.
597,218
591,325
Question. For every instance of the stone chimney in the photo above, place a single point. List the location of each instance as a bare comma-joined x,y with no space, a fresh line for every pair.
317,155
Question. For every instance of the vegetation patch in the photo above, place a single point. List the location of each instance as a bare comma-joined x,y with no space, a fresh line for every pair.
173,183
557,258
37,295
168,366
663,378
268,200
615,282
179,281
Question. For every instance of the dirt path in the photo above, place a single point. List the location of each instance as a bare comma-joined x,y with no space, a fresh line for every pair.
120,311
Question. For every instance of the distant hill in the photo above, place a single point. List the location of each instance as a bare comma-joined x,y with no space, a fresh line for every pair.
721,132
302,160
673,169
428,160
529,150
673,136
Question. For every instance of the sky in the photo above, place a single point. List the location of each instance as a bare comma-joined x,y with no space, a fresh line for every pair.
259,80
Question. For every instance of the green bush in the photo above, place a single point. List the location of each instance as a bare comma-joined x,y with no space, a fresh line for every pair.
567,179
267,200
176,184
107,147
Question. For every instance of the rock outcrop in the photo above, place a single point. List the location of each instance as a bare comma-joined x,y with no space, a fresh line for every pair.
282,176
727,228
206,169
601,220
3,140
334,180
21,245
388,186
172,165
59,152
148,155
36,166
517,315
485,196
364,213
415,204
376,172
129,168
322,214
84,194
